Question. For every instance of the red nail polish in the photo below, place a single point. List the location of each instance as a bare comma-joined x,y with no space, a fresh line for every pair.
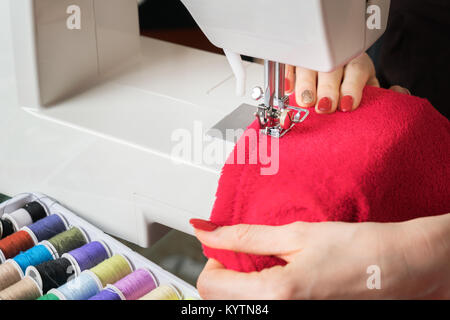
203,225
287,85
324,104
347,103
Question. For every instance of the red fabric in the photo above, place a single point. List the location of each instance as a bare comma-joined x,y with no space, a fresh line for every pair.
387,161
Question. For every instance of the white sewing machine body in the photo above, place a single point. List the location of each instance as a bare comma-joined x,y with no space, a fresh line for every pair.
98,104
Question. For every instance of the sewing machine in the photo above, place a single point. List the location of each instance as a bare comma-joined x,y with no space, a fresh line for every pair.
102,112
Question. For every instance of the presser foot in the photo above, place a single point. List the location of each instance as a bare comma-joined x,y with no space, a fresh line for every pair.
276,122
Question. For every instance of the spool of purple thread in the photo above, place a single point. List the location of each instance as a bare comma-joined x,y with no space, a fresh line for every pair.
47,227
136,284
90,255
106,294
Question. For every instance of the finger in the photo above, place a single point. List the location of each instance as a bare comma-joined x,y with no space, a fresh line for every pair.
290,79
328,91
305,87
356,75
373,82
256,239
400,89
217,283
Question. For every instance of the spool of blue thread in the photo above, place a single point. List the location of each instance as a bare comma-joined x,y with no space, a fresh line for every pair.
33,257
83,287
88,256
47,228
109,293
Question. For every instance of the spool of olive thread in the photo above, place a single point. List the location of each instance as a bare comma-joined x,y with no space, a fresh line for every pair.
67,241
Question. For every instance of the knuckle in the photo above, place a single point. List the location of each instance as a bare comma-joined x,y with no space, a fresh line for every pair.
328,86
242,233
280,286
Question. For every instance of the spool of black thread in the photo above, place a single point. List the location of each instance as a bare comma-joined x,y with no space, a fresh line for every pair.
36,210
52,274
7,228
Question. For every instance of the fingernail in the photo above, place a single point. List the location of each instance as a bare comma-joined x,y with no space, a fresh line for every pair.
324,105
203,225
287,85
307,97
347,103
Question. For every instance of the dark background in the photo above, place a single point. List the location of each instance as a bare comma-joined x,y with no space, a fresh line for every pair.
414,52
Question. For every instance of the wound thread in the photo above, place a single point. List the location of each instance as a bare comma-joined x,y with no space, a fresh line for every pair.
52,274
136,284
109,293
48,227
35,210
112,269
9,274
25,289
15,243
6,227
33,257
48,296
80,288
27,215
89,255
165,292
68,240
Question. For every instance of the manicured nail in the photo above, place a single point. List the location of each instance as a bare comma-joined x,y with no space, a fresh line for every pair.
324,105
347,103
307,97
287,85
203,225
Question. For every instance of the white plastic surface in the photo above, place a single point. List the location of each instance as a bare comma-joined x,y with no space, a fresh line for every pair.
137,261
315,34
107,153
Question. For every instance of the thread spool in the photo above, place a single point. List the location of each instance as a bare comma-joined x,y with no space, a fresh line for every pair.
28,214
165,292
109,293
83,287
14,244
6,228
48,296
88,256
25,289
10,273
47,227
113,269
52,274
136,284
67,241
32,257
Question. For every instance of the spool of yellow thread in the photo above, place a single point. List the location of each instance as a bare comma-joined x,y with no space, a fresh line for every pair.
166,292
113,269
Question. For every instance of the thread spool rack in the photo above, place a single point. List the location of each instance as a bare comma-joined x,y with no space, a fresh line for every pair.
162,276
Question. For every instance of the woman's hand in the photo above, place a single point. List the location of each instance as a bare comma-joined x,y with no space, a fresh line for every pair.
331,260
341,89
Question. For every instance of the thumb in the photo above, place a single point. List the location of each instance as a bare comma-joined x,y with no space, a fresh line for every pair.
256,239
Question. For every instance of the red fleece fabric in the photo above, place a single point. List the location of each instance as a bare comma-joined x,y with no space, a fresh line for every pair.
388,161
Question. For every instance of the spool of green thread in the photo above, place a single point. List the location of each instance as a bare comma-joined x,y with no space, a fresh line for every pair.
112,270
68,240
49,296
